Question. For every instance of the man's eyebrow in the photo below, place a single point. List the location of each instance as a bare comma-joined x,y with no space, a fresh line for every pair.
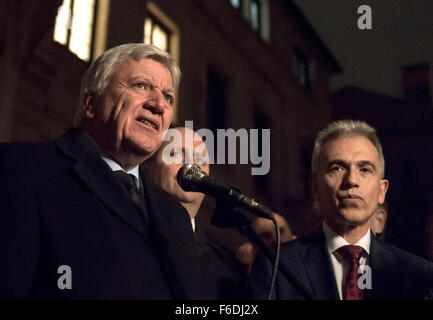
172,91
145,79
337,161
141,78
362,163
359,163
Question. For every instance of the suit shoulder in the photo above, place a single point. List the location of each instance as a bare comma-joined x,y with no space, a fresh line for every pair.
303,241
404,258
403,254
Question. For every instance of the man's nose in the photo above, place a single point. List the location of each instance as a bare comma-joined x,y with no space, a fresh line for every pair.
156,102
351,177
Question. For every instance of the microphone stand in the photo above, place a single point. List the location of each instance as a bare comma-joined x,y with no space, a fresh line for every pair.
227,215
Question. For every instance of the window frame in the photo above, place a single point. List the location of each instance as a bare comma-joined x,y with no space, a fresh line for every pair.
155,21
69,27
263,16
259,15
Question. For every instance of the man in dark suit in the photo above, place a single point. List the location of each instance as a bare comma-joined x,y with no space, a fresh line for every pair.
223,275
343,259
77,220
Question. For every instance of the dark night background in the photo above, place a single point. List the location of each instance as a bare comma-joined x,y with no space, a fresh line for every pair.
374,60
402,34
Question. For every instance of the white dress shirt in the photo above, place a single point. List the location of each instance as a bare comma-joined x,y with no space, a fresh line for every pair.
339,265
115,167
193,224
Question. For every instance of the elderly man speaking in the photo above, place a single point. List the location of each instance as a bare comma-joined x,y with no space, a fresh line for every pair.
77,219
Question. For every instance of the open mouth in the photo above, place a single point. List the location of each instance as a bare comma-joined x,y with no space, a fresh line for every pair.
148,122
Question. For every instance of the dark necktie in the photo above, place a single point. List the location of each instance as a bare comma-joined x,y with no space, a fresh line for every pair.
352,254
128,181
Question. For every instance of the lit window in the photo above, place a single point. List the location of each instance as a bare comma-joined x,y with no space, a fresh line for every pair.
255,14
63,22
235,3
155,33
160,30
74,26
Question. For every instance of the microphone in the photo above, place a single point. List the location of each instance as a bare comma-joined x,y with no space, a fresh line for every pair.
191,178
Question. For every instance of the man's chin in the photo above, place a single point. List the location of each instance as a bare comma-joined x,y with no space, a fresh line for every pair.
143,149
353,216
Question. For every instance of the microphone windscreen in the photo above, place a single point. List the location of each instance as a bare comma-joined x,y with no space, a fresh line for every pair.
188,175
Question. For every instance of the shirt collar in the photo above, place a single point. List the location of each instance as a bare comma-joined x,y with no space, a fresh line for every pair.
334,241
115,167
193,224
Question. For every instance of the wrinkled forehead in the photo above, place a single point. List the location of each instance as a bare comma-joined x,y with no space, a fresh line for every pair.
349,146
148,68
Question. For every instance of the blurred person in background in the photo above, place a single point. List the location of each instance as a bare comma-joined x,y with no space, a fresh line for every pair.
223,277
265,228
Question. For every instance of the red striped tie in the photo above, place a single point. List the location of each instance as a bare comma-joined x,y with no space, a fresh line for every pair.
351,289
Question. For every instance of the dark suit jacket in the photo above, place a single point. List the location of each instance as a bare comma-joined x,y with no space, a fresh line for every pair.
396,274
223,275
60,204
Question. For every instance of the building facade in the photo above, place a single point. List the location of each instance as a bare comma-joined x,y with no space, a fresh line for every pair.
246,64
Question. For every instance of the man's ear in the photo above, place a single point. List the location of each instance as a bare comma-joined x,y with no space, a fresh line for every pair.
90,105
383,189
379,221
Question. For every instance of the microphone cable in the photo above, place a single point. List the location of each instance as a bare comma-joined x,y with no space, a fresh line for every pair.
276,261
189,178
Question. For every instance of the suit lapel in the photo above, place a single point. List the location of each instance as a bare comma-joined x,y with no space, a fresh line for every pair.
382,266
99,178
173,234
318,267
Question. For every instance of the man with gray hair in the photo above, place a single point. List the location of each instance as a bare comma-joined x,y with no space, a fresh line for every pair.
77,219
343,259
